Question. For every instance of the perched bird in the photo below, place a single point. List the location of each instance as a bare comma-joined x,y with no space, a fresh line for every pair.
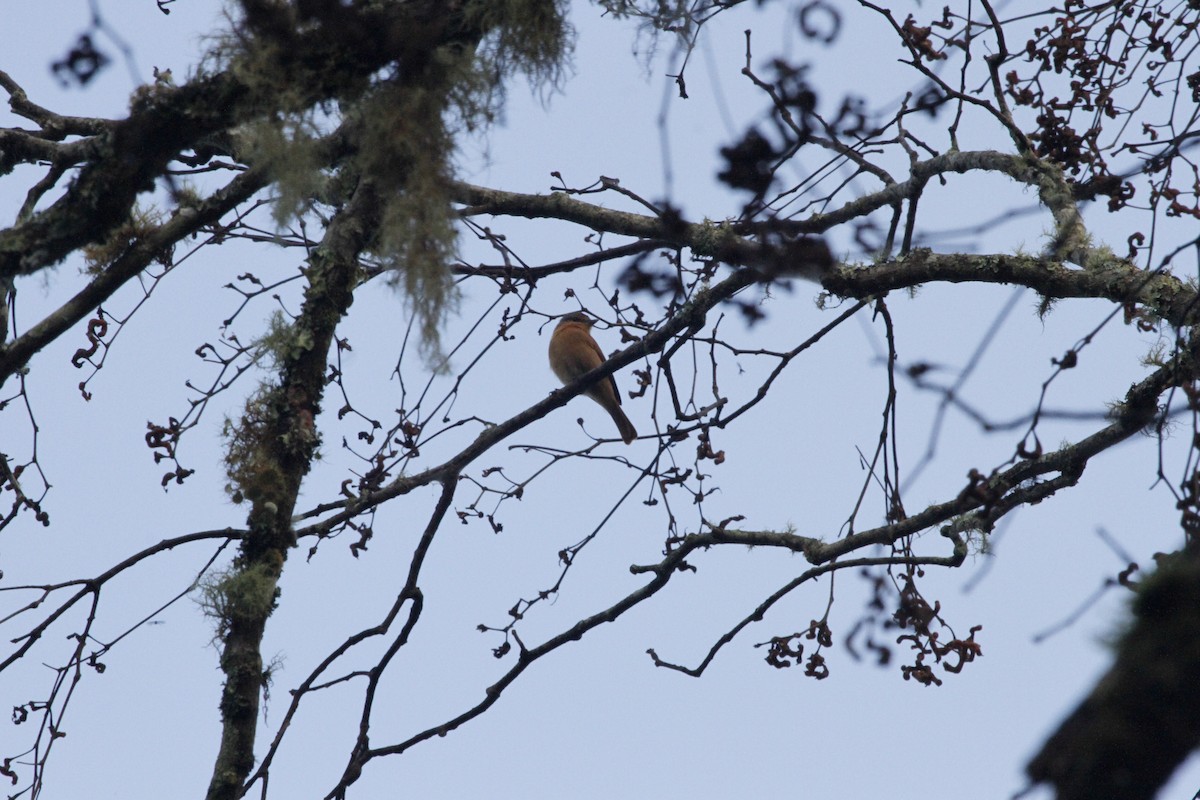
574,352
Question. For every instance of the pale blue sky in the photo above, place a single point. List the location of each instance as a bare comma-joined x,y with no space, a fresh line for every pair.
596,720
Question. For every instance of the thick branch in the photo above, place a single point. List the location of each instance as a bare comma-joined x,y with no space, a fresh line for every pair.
724,243
53,126
188,220
1113,279
315,63
802,257
279,435
1139,723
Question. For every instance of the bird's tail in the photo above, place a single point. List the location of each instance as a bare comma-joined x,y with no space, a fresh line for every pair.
624,426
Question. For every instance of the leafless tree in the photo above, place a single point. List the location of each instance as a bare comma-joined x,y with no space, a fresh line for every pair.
326,131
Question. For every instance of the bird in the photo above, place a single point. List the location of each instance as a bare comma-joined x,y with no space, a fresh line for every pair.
573,352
